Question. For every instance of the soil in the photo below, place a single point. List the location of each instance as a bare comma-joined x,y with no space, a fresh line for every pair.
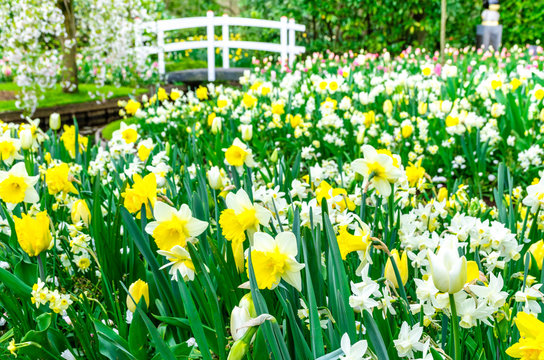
7,95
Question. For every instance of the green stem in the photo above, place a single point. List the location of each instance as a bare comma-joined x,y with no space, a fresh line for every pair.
41,268
455,328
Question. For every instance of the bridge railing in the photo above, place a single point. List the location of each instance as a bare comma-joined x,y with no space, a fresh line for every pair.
287,47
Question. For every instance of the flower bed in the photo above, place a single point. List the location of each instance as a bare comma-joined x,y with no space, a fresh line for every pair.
356,206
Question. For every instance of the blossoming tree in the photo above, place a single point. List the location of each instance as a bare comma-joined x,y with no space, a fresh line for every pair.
45,40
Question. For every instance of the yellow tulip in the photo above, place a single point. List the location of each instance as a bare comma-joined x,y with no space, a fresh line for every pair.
537,250
33,233
137,290
402,265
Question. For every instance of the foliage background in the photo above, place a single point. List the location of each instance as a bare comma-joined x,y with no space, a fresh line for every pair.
341,25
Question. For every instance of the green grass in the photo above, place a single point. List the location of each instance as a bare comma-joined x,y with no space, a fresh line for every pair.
56,97
115,125
185,63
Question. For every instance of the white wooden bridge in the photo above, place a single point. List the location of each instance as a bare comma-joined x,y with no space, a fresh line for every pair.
287,47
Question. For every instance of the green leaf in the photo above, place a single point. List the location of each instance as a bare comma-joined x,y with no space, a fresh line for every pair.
159,343
194,319
375,337
15,284
137,335
111,344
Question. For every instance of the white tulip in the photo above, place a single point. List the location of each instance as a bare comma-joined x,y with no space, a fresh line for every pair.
448,269
215,178
247,132
54,121
26,139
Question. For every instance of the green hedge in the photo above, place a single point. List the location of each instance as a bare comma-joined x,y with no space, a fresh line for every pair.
396,24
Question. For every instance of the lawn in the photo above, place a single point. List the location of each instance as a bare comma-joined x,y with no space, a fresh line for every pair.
56,96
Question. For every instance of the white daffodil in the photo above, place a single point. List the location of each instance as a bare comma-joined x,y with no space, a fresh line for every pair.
535,196
273,259
377,168
408,340
356,351
180,262
174,227
240,315
17,186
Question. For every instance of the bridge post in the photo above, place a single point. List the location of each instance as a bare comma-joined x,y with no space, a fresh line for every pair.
211,49
226,37
291,42
283,40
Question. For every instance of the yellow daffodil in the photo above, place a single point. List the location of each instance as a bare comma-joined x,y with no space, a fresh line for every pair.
273,259
58,179
144,149
142,192
174,227
33,233
278,108
12,347
202,93
338,196
9,148
531,343
126,133
16,186
132,107
402,266
175,94
415,173
348,242
239,154
378,169
68,138
249,100
137,290
241,216
161,94
80,212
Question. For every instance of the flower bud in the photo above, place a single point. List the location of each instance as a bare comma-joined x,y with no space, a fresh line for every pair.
137,290
274,156
387,107
402,266
442,194
448,269
217,124
215,179
407,130
54,121
26,139
361,136
422,108
80,212
247,132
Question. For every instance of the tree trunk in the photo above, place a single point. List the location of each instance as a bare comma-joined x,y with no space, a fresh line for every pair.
443,17
69,47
